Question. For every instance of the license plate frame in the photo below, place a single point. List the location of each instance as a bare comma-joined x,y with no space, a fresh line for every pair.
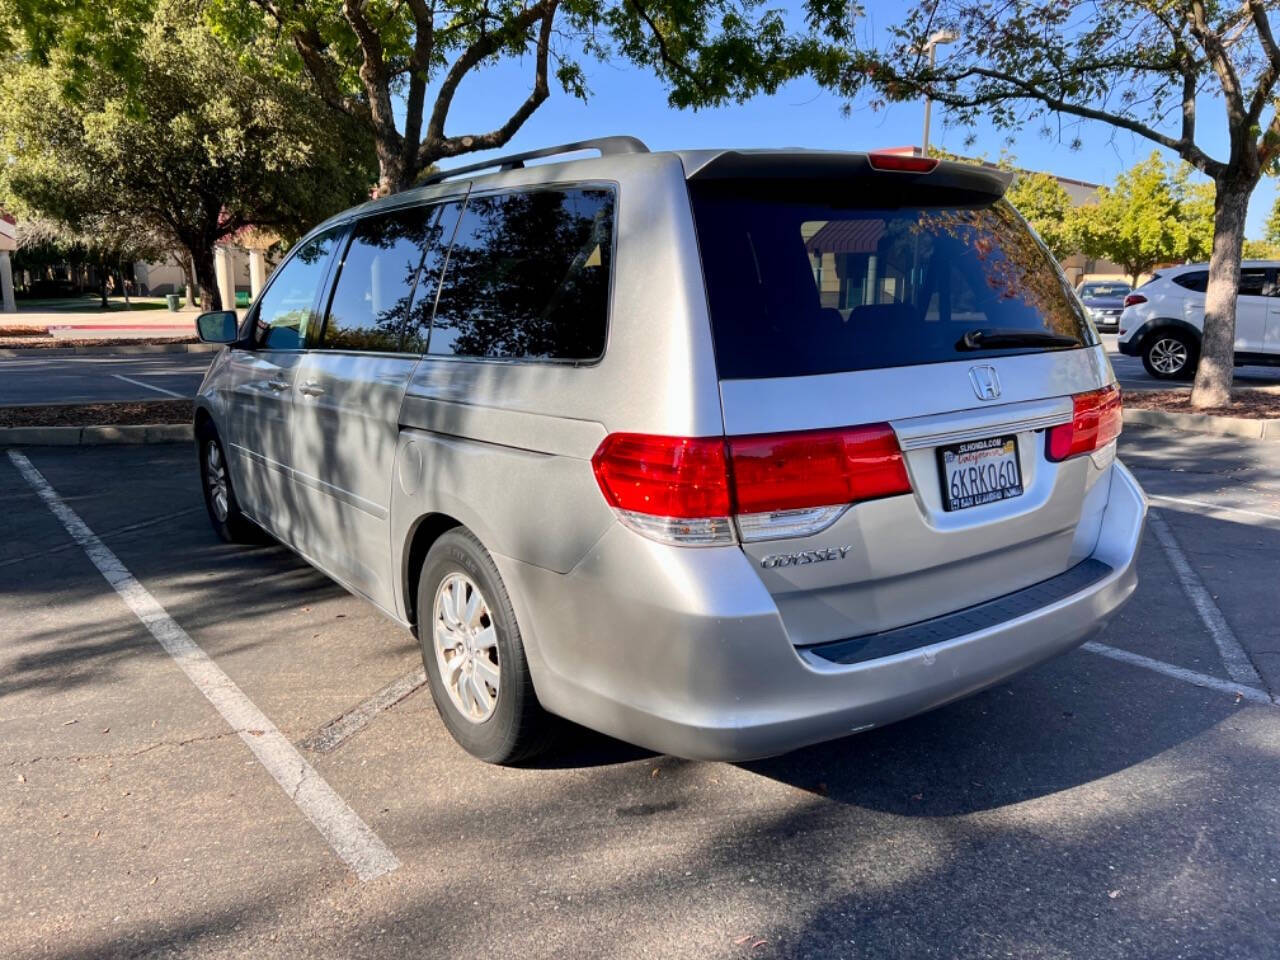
992,472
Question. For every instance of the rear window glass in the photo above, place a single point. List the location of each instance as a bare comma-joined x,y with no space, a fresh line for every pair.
1197,280
1100,290
527,277
801,286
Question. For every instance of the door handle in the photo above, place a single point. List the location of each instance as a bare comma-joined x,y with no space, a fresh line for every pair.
278,385
311,388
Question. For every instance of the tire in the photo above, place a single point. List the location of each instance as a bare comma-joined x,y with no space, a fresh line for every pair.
1171,355
502,724
225,515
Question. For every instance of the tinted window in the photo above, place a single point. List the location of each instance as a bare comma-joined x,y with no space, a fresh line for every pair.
801,285
1197,280
1253,283
424,297
371,298
287,306
528,277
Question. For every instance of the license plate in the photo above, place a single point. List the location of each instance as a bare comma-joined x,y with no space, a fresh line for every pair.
979,471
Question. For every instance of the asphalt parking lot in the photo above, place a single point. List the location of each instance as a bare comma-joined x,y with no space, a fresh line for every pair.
1120,801
1133,376
100,379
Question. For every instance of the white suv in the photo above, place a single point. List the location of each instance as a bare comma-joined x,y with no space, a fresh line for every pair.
1163,320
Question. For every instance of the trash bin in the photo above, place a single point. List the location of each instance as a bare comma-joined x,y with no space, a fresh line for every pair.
175,301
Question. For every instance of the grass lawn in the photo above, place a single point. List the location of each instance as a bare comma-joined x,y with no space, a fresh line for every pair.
89,303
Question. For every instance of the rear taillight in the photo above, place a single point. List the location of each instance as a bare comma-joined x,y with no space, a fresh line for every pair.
1096,420
681,490
901,163
1134,299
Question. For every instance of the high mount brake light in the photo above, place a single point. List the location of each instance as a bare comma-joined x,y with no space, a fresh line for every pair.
901,163
688,490
1096,419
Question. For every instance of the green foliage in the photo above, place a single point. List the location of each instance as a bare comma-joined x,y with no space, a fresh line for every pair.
1271,230
1150,215
1044,204
1261,250
206,142
393,66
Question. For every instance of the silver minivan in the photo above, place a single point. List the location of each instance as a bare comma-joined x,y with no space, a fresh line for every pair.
720,452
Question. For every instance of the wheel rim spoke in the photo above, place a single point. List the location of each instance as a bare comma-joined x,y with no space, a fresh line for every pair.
466,647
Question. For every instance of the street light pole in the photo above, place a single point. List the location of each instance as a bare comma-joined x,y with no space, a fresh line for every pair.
931,45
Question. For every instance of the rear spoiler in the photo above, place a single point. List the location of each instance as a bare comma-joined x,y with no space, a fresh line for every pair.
947,177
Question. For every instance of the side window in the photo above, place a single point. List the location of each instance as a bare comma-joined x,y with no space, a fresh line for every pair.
371,298
287,306
1253,283
1197,280
424,297
528,277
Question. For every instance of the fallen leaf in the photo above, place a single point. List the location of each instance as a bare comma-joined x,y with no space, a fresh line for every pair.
152,881
256,733
1113,894
67,723
21,778
106,729
917,796
741,940
759,943
657,772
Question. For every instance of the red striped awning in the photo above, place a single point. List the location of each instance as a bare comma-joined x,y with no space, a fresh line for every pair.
847,236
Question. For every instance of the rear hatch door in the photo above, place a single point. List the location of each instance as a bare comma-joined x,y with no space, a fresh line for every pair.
842,296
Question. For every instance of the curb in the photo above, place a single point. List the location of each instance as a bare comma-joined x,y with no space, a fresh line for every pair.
1204,423
123,349
95,436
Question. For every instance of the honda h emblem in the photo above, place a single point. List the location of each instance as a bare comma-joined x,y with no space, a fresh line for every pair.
985,382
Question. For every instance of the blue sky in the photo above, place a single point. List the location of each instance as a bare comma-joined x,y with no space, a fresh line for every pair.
628,100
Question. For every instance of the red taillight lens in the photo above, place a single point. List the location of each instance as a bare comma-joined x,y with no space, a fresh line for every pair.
1095,422
664,476
684,490
1134,299
790,471
901,163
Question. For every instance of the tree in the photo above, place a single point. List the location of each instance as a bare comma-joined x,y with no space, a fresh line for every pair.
1151,214
1045,205
394,66
200,142
1137,65
1271,229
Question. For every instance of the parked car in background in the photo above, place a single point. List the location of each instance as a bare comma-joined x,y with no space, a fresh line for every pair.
1104,299
720,452
1163,320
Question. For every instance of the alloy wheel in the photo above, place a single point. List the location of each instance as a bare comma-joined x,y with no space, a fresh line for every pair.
1168,355
466,646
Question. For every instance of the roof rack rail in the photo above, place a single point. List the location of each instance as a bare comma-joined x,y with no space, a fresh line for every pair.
608,146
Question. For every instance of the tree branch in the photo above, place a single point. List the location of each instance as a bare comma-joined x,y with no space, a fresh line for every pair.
1267,80
1026,90
373,74
435,145
419,64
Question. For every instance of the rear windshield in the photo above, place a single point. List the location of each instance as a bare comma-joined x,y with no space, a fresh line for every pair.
800,285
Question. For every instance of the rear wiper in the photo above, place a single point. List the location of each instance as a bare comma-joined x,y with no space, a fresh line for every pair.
981,339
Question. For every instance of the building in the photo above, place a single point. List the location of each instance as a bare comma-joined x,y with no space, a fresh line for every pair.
8,243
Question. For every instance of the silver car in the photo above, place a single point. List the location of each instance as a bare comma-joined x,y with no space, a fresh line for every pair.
720,452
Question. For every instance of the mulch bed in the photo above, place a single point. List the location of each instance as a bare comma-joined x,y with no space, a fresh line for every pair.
97,414
1251,403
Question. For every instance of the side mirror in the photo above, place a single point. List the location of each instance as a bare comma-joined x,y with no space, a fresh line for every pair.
217,327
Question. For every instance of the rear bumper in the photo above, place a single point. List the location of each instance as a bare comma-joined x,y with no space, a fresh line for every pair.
683,651
1129,346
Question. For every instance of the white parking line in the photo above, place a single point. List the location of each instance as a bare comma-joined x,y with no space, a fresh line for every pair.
1234,658
349,836
1216,508
139,383
1252,694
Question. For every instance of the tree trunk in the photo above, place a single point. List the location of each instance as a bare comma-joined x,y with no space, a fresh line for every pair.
206,279
1217,348
392,173
189,281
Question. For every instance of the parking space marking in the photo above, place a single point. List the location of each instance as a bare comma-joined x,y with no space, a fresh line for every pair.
335,732
1234,658
127,528
1252,694
139,383
1217,508
349,836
